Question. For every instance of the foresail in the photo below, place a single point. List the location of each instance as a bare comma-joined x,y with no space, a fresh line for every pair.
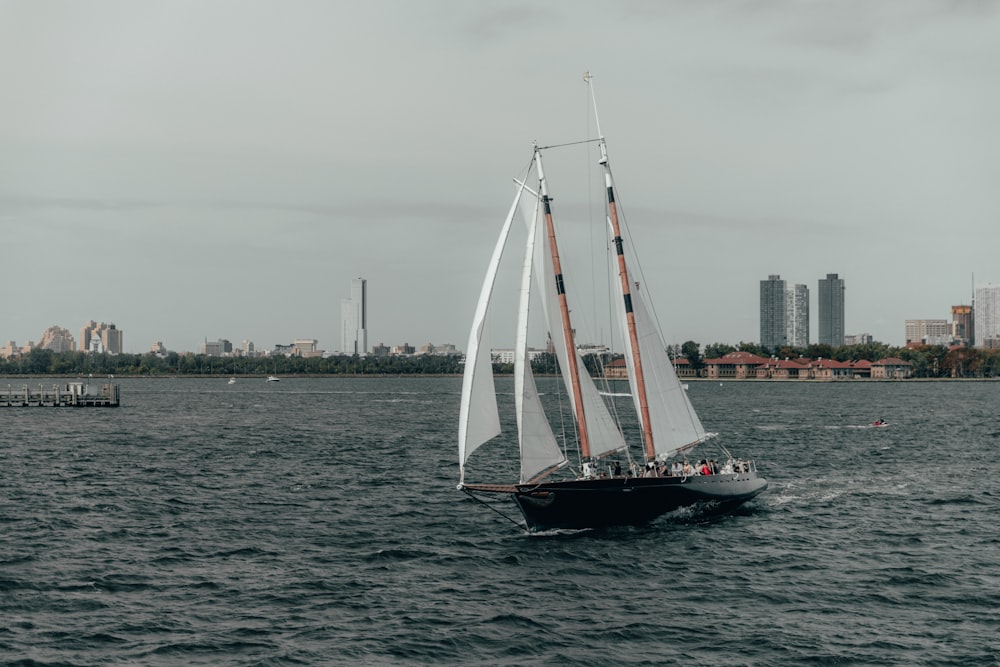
539,449
479,418
675,425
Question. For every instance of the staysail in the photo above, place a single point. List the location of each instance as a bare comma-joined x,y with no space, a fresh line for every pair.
538,446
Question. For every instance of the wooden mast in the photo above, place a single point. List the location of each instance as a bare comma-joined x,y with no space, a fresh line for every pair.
640,380
573,370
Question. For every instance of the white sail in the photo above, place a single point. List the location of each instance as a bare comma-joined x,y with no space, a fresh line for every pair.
605,435
539,448
479,419
674,423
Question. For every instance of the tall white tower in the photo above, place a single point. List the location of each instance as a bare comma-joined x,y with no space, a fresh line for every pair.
987,314
354,319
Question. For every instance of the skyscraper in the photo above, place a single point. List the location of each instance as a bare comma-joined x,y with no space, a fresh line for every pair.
772,313
831,310
987,314
797,316
961,324
354,319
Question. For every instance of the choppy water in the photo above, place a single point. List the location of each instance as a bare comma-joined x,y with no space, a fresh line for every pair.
316,521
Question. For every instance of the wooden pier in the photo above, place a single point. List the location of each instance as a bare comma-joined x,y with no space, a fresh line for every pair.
72,395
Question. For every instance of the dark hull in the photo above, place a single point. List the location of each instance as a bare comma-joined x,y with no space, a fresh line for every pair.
596,503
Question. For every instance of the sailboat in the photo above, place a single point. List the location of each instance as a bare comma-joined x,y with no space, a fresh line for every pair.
579,483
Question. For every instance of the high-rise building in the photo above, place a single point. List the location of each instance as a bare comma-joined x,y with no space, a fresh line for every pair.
218,348
961,328
100,337
986,318
354,319
797,315
784,314
57,339
831,310
928,332
772,313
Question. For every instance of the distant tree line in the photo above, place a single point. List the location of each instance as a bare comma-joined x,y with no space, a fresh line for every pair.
47,362
929,361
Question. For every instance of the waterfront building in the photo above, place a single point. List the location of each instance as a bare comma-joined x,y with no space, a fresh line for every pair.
928,332
739,365
831,310
354,319
891,368
100,337
986,317
773,332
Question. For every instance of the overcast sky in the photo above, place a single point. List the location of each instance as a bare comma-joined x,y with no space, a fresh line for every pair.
192,170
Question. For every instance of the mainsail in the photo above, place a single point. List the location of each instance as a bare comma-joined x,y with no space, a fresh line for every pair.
674,423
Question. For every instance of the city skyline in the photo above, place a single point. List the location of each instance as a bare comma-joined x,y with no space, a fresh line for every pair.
786,307
194,170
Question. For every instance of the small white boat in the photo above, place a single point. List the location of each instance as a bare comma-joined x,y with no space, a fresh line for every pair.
273,378
232,380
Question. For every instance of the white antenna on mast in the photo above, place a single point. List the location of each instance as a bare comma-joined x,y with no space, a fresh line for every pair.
589,78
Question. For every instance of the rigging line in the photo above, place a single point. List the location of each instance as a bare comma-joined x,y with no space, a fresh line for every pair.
488,506
571,143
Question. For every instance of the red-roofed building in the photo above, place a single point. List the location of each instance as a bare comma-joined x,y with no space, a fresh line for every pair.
862,368
891,367
733,365
783,369
616,370
683,368
829,369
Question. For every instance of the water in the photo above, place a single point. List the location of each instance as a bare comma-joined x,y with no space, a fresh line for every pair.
316,521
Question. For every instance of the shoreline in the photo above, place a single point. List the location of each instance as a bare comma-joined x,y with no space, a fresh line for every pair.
198,376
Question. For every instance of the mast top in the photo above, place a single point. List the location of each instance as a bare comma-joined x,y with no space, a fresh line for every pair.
589,79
